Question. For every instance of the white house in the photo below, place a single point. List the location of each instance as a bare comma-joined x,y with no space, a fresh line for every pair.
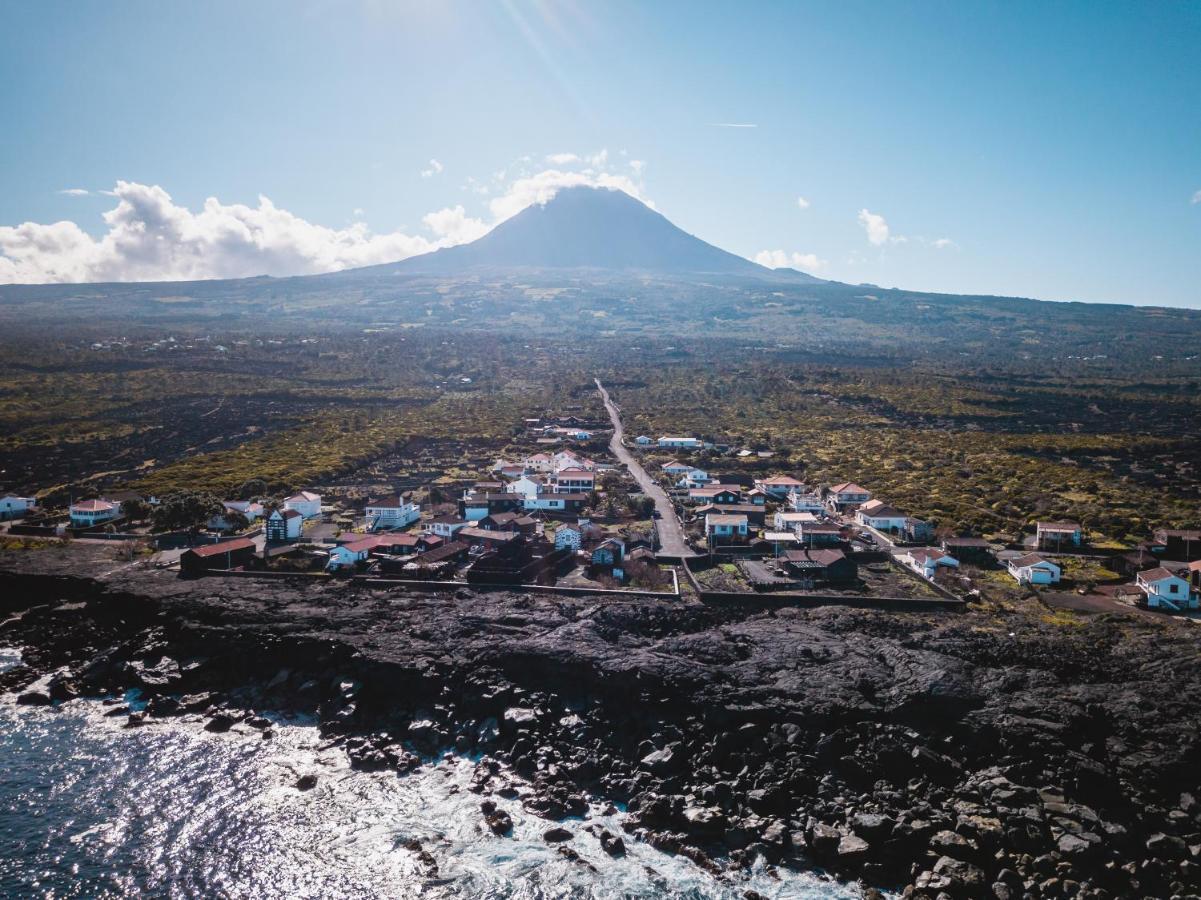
349,554
642,440
445,526
394,512
574,481
779,486
1166,590
878,515
526,486
805,501
306,503
557,502
675,467
568,538
284,525
683,443
725,526
792,521
847,494
539,462
567,459
926,561
1033,569
693,478
86,513
14,507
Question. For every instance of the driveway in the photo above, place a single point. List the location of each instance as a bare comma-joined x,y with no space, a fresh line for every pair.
671,532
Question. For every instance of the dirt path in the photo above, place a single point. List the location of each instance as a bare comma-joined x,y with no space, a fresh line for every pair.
671,532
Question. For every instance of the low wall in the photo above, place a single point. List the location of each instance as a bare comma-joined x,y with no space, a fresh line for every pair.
786,598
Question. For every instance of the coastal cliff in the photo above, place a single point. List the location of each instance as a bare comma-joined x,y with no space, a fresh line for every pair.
995,752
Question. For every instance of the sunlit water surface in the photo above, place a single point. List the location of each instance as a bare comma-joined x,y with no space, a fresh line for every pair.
91,809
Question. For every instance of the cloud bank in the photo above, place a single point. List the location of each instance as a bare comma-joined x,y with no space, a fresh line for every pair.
779,259
150,237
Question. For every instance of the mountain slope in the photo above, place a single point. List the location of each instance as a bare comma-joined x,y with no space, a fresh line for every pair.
589,228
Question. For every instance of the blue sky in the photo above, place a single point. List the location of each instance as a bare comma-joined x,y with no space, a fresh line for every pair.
1046,150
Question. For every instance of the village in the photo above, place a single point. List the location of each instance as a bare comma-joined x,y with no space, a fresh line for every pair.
651,515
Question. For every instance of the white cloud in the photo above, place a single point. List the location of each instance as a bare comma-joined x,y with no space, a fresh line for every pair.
802,203
779,259
435,168
151,238
943,244
638,165
875,226
358,212
1196,197
562,159
453,226
74,192
543,186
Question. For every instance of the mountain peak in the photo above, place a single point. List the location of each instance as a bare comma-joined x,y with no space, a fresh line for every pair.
585,227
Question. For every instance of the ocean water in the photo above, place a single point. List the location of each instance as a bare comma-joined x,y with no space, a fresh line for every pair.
91,809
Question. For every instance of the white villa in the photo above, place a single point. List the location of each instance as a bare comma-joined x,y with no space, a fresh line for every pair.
728,526
805,501
86,513
1033,569
1054,535
394,512
847,494
306,503
445,526
926,561
792,521
682,443
779,486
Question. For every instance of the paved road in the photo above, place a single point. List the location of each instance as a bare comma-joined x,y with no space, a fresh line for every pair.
671,532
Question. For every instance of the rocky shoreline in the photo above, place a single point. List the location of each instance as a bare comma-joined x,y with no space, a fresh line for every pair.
986,754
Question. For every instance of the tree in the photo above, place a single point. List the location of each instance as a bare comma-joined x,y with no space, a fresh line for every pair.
252,488
136,510
185,509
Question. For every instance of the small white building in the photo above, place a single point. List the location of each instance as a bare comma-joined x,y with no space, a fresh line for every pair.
682,443
675,467
539,462
445,526
86,513
568,538
394,512
926,561
805,501
792,521
643,441
284,525
306,503
14,507
693,478
1166,590
779,486
1033,569
725,526
527,486
880,516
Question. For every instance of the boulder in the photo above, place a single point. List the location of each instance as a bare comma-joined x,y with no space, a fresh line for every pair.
556,835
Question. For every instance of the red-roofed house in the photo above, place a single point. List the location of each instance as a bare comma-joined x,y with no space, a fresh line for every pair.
216,557
845,495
